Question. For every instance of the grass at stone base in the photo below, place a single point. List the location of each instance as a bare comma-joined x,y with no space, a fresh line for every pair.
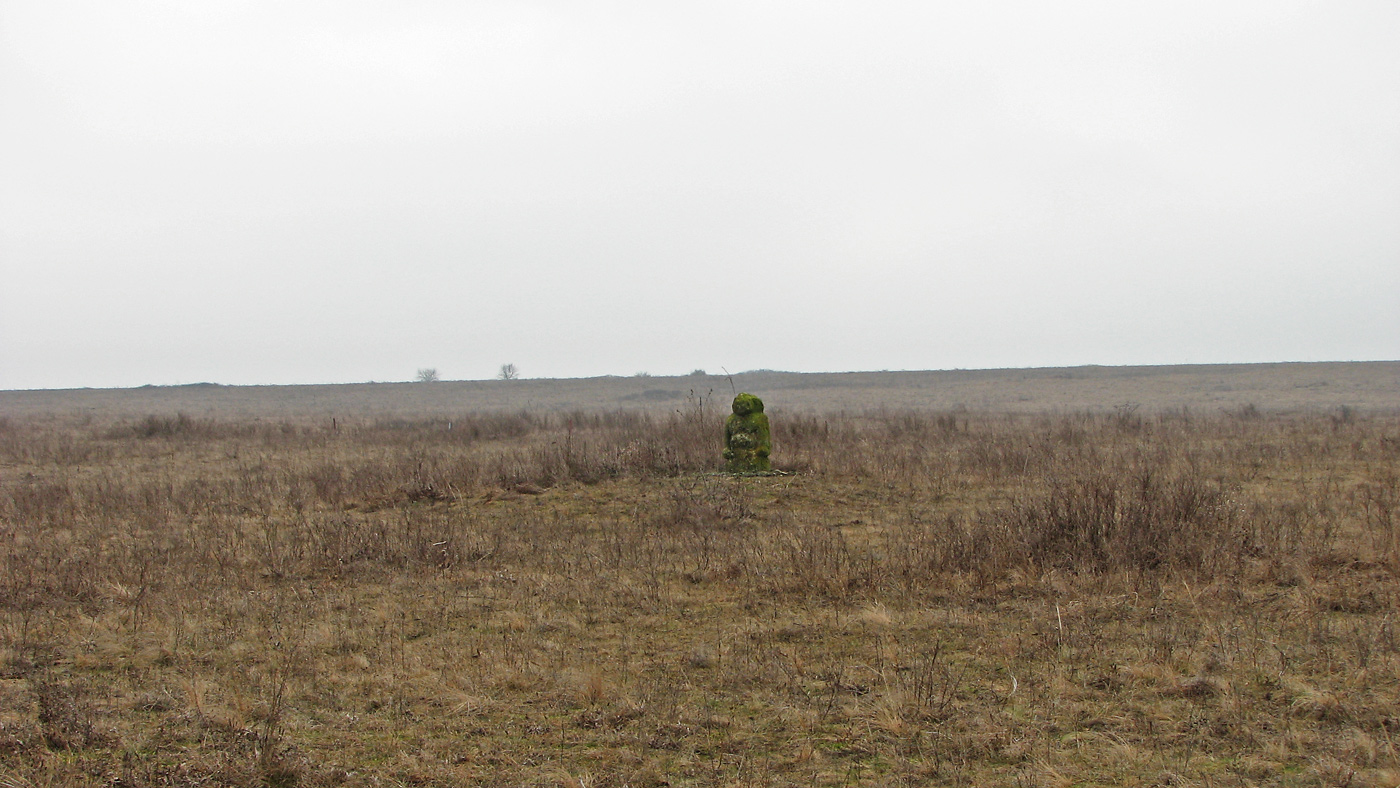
695,630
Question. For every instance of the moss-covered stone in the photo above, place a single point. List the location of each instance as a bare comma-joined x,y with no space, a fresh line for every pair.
747,442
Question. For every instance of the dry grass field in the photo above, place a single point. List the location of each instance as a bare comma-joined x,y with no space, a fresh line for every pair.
1204,389
1175,576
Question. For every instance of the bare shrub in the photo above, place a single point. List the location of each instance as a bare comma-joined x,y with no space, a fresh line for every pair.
66,715
1142,520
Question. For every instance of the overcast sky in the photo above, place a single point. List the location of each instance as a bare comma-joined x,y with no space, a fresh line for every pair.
314,192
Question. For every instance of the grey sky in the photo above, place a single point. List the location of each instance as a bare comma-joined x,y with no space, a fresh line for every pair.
296,192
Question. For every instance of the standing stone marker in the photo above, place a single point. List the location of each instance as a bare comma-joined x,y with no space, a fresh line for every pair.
747,442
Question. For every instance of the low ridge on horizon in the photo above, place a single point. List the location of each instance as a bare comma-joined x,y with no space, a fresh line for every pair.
706,373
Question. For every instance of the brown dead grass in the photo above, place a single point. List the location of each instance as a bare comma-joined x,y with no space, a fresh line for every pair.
931,597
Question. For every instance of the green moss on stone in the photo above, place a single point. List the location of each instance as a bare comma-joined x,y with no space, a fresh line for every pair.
747,442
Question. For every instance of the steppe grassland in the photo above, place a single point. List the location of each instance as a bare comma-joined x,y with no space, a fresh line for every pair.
931,597
1365,386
